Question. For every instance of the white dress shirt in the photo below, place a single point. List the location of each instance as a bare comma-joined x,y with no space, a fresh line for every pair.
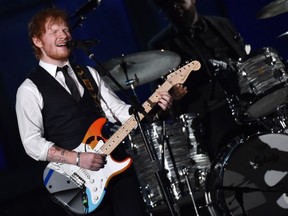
29,103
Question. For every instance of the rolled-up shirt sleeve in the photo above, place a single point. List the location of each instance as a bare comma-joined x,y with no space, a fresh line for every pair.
29,104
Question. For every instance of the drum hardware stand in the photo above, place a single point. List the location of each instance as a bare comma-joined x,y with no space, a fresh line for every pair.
281,118
165,139
189,144
185,173
234,111
250,84
232,99
163,171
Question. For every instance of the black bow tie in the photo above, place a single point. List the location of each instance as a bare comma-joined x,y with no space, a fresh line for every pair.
69,82
63,69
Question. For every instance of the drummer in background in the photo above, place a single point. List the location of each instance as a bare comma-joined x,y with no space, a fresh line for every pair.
203,38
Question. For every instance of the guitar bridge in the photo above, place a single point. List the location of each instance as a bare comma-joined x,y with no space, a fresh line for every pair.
78,180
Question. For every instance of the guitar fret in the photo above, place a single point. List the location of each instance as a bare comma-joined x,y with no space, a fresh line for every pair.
119,136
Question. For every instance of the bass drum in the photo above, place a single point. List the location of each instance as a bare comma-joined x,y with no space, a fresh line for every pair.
250,177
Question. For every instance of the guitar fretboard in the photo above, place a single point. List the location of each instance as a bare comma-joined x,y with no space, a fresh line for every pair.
178,76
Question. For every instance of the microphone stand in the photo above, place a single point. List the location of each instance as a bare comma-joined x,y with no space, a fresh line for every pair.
79,21
85,8
137,108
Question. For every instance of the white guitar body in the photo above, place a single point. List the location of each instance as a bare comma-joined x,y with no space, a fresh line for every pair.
75,187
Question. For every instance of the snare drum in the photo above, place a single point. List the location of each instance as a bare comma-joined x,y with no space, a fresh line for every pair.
250,177
262,84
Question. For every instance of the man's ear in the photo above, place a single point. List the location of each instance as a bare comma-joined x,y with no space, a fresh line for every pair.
37,42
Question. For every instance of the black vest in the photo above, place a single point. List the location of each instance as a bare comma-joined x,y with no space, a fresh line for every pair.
65,120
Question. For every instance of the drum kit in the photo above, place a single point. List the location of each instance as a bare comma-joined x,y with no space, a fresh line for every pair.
248,177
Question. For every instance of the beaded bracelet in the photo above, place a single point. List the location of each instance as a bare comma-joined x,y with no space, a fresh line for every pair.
78,159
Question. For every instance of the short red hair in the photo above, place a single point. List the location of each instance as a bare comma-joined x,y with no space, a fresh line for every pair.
36,26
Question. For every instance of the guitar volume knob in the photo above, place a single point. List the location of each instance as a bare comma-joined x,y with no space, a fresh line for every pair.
94,189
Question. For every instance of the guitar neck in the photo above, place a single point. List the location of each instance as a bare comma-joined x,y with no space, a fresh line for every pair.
131,123
178,76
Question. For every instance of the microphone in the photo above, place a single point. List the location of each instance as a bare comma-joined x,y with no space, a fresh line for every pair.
82,44
90,5
221,65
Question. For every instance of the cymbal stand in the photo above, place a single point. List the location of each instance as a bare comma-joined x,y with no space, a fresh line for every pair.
130,82
185,173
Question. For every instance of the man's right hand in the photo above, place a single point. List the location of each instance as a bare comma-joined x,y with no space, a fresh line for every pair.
92,161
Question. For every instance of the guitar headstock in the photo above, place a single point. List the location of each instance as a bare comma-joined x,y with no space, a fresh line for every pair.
180,75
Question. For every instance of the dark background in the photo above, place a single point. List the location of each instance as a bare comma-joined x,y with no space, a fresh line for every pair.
123,27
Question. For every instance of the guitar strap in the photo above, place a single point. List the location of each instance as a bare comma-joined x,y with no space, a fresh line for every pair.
84,74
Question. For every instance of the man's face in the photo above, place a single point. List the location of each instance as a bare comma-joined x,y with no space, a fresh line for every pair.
181,12
53,42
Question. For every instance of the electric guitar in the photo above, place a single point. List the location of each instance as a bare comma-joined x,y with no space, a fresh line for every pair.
80,190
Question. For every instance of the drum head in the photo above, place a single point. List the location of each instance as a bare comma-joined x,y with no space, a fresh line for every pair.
268,103
250,178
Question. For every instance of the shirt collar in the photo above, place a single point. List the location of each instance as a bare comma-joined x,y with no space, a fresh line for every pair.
201,24
51,68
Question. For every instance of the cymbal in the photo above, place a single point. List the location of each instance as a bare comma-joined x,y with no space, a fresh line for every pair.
273,9
142,67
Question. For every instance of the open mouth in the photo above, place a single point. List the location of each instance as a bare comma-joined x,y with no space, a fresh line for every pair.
62,44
